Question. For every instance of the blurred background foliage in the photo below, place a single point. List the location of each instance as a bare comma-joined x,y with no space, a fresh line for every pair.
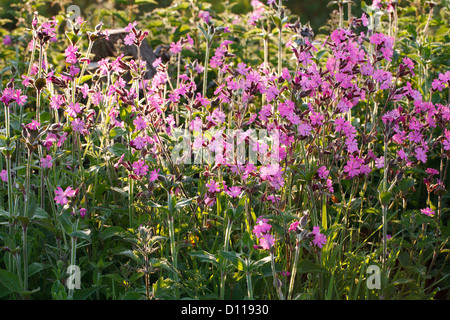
316,12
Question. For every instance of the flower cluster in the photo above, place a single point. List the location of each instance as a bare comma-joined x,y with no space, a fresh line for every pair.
261,231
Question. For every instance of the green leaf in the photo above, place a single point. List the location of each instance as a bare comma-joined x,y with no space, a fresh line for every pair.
234,258
131,254
121,191
171,203
40,213
117,132
10,281
183,203
277,21
118,150
324,214
412,30
306,266
4,291
385,197
85,78
205,256
240,208
3,212
366,8
58,291
247,240
73,38
65,222
83,294
406,184
82,234
110,232
259,263
35,267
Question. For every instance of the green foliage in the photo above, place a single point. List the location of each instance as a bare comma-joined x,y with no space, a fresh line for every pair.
157,240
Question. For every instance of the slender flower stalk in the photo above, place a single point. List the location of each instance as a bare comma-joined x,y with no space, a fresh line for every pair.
294,269
205,71
276,281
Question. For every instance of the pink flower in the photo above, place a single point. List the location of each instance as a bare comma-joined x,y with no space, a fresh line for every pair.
157,62
352,167
26,81
83,212
73,109
175,47
286,108
437,85
217,117
402,154
266,241
34,125
377,38
63,195
56,101
261,227
431,171
379,162
78,125
204,15
7,40
427,211
323,172
129,39
364,20
421,155
409,63
140,123
210,201
234,191
242,68
319,239
71,54
293,226
285,74
446,143
73,71
154,175
340,124
213,186
445,77
131,26
46,162
344,105
4,175
304,129
140,168
139,142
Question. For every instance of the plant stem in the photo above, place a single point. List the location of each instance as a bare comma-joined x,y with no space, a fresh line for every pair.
174,254
275,279
205,71
27,183
294,269
25,257
249,285
131,188
8,163
73,254
83,69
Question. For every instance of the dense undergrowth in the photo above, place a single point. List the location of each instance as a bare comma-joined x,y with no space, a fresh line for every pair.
263,160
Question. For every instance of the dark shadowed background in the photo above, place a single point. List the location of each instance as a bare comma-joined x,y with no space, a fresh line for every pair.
315,11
